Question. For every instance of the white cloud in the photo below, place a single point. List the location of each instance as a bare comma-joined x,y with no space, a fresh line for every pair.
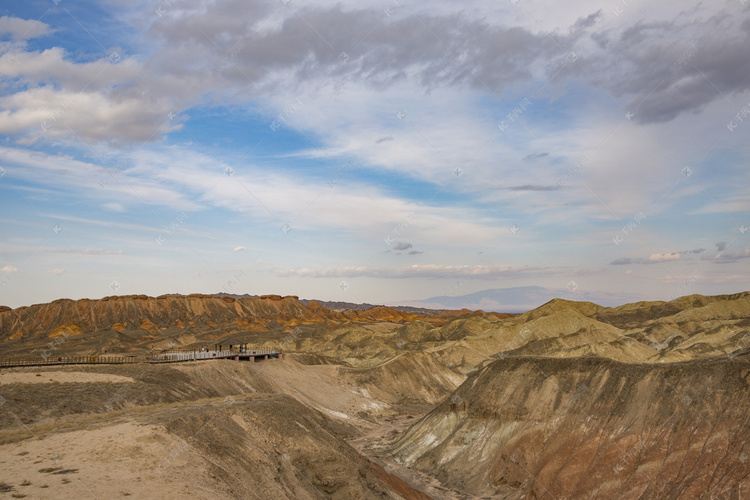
52,66
661,257
239,249
44,111
23,29
9,269
102,100
57,272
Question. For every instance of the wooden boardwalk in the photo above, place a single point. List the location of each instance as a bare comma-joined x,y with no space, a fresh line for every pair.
167,356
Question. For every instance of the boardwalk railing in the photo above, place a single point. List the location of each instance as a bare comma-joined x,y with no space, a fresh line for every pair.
71,360
170,356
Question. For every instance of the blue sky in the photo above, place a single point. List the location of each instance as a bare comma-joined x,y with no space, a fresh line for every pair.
373,151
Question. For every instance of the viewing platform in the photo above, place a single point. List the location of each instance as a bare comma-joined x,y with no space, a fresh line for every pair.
251,355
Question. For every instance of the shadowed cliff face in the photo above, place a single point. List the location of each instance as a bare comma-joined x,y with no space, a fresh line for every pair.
576,428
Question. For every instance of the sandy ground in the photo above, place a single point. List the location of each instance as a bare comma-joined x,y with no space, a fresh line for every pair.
28,377
123,460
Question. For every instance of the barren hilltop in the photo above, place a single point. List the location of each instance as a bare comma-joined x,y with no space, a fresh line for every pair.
569,400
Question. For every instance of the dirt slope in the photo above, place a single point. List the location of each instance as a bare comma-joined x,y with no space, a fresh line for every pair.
411,377
256,446
589,428
216,429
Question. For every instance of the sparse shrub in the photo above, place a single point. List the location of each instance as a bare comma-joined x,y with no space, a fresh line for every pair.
5,487
50,469
25,482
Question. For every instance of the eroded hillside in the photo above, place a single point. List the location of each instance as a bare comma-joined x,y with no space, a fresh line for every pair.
582,428
645,400
217,429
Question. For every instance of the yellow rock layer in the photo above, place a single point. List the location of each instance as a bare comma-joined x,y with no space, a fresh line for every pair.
65,331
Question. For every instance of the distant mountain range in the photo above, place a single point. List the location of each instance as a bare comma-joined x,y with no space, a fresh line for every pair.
504,300
520,299
351,306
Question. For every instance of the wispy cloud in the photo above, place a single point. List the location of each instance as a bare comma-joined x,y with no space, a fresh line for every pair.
652,259
532,187
729,257
83,251
433,271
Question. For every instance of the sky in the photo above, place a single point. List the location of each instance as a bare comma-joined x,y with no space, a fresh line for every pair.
373,151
